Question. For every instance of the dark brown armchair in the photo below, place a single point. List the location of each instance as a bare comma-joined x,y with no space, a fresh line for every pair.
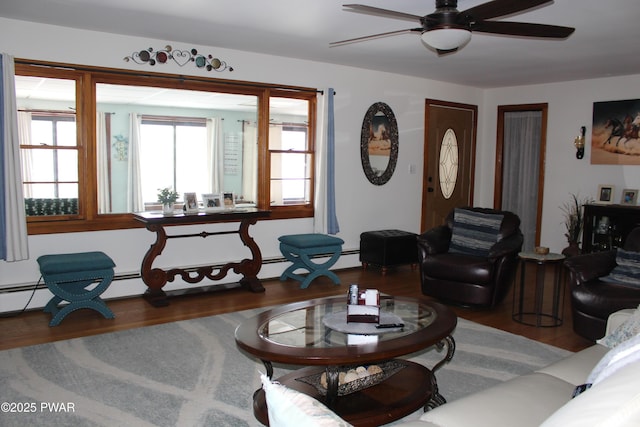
593,299
464,279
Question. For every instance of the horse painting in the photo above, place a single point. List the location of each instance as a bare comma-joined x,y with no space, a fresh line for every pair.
631,129
617,130
615,136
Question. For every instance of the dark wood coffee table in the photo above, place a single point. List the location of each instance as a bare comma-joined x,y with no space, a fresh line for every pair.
296,334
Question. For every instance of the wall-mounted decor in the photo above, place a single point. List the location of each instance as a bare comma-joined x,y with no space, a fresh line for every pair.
629,197
180,57
578,142
379,143
605,194
120,147
615,137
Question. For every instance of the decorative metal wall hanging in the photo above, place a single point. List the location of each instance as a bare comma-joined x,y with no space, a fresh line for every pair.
180,57
120,147
379,143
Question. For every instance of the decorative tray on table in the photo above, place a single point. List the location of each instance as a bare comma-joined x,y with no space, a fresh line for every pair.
355,378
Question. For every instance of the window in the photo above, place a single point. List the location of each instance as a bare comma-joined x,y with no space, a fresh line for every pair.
50,151
50,158
106,154
290,154
290,165
173,153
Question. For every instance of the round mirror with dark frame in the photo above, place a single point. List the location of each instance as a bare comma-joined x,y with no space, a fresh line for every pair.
379,143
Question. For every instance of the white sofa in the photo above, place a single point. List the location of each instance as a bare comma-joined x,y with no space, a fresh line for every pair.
544,398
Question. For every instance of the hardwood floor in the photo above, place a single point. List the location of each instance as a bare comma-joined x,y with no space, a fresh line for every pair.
32,327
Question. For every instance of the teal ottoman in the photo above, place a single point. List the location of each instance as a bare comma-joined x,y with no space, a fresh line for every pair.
301,248
69,275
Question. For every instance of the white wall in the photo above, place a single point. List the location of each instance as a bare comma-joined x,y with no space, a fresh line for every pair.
570,107
361,205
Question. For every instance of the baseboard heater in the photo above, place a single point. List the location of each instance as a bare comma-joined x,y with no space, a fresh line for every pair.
136,275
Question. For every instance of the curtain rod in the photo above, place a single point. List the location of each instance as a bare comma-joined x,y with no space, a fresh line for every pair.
274,123
179,77
45,111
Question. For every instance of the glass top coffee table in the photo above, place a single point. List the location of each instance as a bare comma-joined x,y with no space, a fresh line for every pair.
310,334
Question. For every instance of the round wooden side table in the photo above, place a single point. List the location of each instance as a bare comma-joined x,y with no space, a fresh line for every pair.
540,312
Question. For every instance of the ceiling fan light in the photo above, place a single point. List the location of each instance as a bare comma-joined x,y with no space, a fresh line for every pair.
446,38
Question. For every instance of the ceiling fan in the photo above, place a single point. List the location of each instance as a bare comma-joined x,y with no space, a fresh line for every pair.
447,29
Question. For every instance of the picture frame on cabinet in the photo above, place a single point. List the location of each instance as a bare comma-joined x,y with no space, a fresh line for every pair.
629,197
605,194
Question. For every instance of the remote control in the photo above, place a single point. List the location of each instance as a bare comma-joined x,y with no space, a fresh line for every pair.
389,325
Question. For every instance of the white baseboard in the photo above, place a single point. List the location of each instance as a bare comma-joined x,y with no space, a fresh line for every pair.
130,284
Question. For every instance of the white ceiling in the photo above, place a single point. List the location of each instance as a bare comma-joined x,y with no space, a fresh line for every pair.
605,43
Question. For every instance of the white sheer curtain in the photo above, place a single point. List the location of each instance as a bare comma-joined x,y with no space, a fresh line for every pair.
24,135
13,223
102,157
275,143
325,219
249,161
134,199
215,154
522,138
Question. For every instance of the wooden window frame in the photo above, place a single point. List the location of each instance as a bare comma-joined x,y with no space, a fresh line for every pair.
88,218
53,118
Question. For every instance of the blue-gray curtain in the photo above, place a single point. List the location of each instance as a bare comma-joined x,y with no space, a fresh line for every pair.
332,218
325,219
13,225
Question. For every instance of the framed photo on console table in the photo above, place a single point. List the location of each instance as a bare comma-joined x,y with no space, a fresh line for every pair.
229,200
190,202
212,202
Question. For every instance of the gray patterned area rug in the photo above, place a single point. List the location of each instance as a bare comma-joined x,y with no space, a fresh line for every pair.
190,373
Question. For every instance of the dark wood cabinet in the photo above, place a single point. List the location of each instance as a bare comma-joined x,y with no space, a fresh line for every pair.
607,226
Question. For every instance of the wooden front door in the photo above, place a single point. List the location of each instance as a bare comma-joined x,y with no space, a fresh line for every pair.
449,159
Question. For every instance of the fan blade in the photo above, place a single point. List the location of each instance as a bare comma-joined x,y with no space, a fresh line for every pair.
376,11
375,36
523,29
496,8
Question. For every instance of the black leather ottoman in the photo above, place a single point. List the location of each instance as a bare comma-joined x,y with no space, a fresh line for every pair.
388,248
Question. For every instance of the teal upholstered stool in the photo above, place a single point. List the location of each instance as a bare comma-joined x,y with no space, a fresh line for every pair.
301,248
69,275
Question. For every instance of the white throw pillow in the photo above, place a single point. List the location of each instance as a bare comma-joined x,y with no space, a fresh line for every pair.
622,355
290,408
628,329
614,398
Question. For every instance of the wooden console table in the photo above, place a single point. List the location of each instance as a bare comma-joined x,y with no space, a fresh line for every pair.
156,278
